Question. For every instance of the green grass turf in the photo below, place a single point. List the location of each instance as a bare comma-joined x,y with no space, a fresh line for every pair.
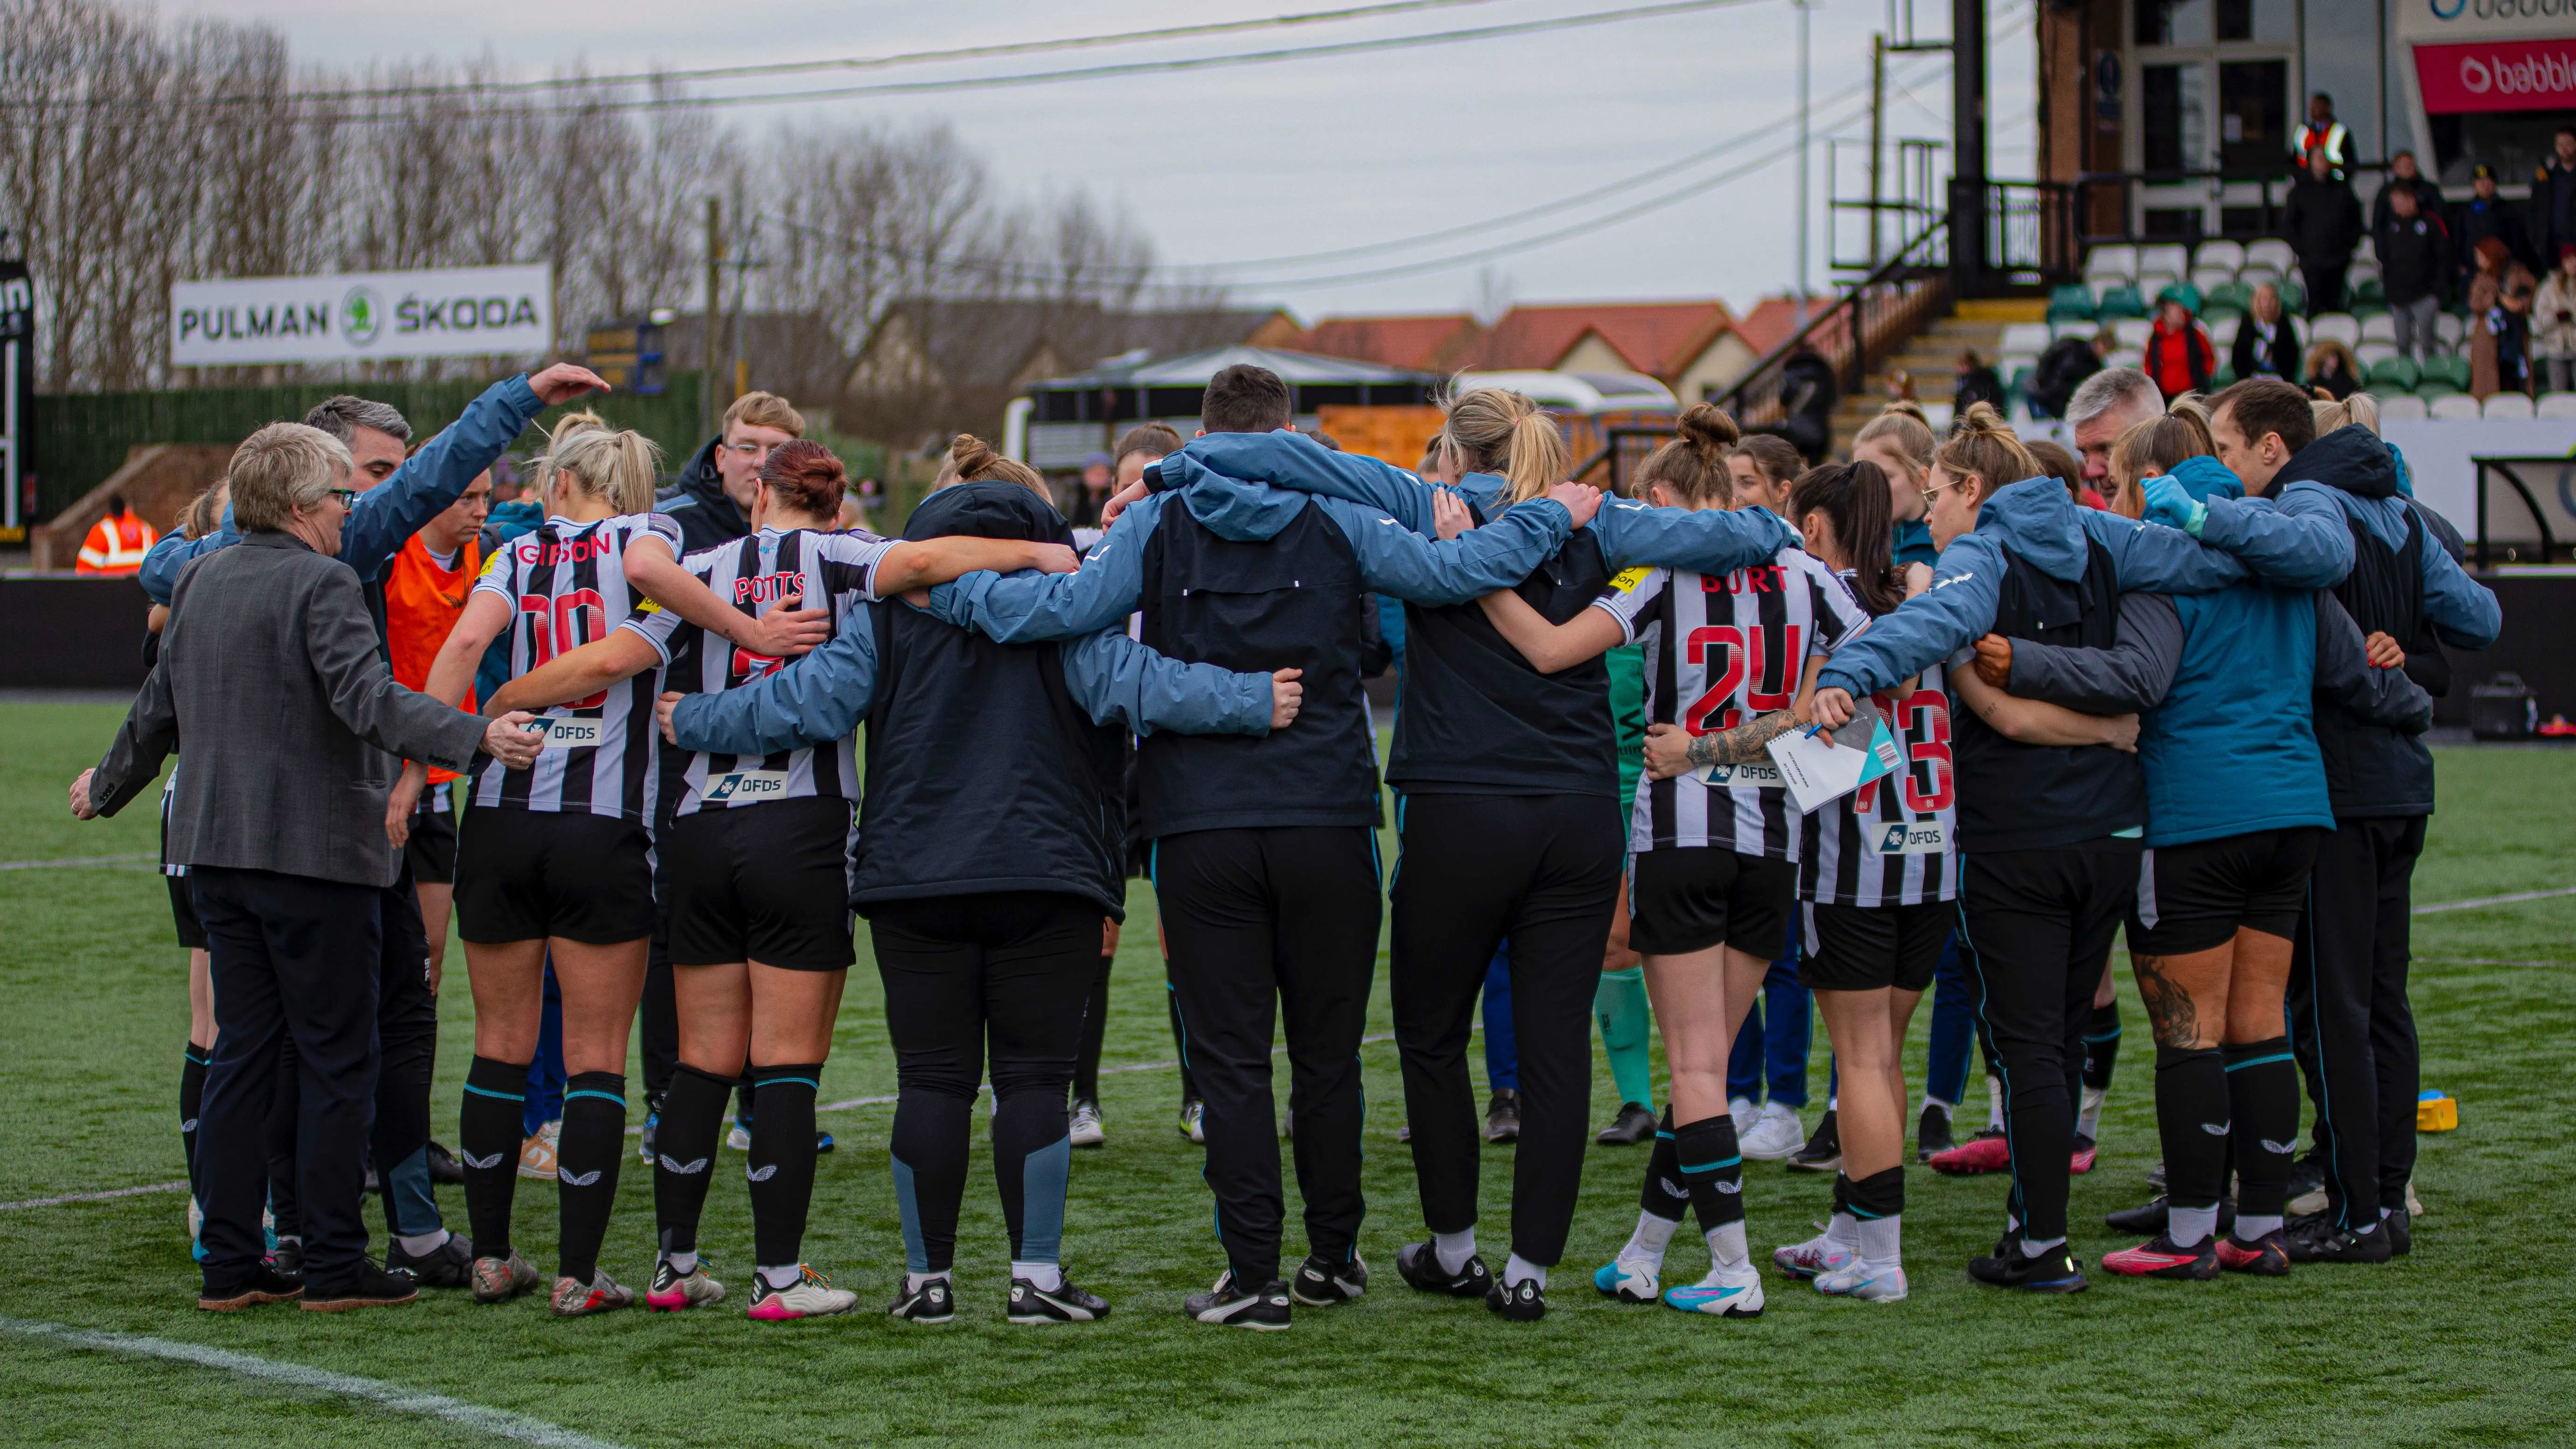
2465,1342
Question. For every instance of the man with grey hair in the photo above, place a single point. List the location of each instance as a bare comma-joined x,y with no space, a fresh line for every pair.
295,729
2109,403
391,499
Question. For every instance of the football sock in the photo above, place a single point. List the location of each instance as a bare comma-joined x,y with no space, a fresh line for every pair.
2192,1122
783,1275
1032,1164
421,1244
587,1157
1877,1202
782,1160
1994,1104
1047,1276
1646,1245
2088,1113
684,1156
1627,1024
2263,1107
2102,1046
1842,1230
1518,1269
487,1147
1663,1195
1712,1170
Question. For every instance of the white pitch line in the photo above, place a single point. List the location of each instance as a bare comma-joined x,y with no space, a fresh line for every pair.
108,862
500,1423
35,1202
2495,900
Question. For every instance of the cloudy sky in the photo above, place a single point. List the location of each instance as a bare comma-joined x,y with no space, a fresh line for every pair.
1235,167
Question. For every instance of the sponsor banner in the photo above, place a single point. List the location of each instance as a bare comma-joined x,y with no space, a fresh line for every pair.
455,312
2498,75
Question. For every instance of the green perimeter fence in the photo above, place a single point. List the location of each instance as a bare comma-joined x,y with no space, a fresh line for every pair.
82,438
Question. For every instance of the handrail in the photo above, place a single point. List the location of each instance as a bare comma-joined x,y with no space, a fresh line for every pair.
1912,258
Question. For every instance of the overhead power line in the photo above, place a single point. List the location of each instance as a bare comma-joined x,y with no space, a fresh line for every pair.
317,107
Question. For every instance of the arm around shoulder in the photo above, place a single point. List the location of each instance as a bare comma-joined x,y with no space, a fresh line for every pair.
1118,680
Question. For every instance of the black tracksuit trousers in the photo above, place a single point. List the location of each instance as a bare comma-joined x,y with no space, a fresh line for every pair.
2350,1022
2034,927
1262,922
1541,871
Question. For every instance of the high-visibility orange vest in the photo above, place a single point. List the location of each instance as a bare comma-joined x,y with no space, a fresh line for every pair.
116,545
422,605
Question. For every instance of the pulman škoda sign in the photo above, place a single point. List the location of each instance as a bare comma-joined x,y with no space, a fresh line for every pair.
455,312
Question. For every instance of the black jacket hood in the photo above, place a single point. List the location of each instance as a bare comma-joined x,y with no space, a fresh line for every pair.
988,510
701,483
2350,458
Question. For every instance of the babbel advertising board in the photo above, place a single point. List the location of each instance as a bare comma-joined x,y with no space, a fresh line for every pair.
454,312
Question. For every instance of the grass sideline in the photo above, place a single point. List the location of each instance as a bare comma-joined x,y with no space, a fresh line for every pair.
2468,1341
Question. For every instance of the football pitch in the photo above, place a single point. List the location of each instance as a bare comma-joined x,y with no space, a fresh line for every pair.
2472,1339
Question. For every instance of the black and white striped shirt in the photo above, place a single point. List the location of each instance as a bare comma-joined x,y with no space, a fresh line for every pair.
753,574
566,583
1894,841
1721,649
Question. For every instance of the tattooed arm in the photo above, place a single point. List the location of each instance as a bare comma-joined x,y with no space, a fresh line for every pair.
1670,750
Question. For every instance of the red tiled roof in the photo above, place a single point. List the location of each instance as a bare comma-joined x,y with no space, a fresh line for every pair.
1660,338
1431,342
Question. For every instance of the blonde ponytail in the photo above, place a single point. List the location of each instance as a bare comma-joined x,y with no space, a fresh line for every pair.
1982,446
972,460
617,468
1490,430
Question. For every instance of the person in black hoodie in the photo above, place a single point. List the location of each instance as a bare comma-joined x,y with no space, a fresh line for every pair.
2350,1024
2323,225
2267,341
2402,176
2414,262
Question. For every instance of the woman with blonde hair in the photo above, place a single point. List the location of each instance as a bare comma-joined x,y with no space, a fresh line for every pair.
2048,831
1509,807
1900,441
554,863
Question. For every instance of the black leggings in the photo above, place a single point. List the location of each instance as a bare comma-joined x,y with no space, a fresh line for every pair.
1543,872
1265,923
1012,967
2034,927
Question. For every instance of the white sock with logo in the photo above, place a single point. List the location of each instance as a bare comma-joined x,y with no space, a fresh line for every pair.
1049,1277
1881,1240
1453,1250
1518,1269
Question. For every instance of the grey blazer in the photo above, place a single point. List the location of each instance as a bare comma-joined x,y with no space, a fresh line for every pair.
271,673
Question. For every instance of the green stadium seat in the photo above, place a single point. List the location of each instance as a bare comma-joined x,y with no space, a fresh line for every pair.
2231,297
2225,374
2368,290
2395,374
2121,302
2453,369
2071,304
2432,387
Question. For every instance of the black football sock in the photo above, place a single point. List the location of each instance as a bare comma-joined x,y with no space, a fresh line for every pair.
587,1156
1032,1163
782,1162
2102,1045
192,1096
2263,1103
1663,1195
487,1147
1095,1024
2191,1121
1712,1170
684,1154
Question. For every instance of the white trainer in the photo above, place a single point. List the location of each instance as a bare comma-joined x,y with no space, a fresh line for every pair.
810,1296
1725,1293
1083,1127
1194,1120
1868,1283
1777,1134
1746,1113
738,1138
1814,1258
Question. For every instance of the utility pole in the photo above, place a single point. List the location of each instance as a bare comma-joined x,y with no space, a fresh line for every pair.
1877,133
1801,6
1967,147
707,412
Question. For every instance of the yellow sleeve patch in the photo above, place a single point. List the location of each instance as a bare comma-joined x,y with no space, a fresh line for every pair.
494,561
1630,579
647,606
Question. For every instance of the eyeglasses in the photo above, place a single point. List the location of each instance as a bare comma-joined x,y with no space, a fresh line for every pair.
1931,493
749,450
348,496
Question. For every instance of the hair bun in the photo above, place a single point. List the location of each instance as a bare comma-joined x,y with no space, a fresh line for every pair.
1708,429
971,454
1981,417
1906,407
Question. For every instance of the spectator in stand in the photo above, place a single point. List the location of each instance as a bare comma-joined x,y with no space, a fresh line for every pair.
2267,341
2553,325
2414,261
2323,135
2403,176
2553,194
2323,224
2500,301
2331,370
1977,383
2484,215
2063,368
2180,356
1808,393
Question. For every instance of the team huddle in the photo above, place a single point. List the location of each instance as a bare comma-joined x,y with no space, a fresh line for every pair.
2185,712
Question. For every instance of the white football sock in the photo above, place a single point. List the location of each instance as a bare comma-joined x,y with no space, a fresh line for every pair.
2190,1227
2033,1247
2250,1226
421,1245
2088,1118
1646,1245
782,1277
1726,1245
1842,1231
682,1263
1453,1250
1994,1104
1881,1239
915,1282
1048,1277
1518,1269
